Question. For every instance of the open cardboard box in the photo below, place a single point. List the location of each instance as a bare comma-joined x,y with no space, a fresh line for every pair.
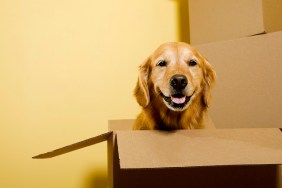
192,158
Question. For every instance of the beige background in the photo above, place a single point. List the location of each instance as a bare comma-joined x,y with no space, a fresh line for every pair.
66,67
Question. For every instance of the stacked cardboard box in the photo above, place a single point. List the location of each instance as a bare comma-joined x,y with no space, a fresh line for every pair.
246,53
249,74
218,20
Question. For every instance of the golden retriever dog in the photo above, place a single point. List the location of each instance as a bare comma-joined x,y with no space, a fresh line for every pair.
174,89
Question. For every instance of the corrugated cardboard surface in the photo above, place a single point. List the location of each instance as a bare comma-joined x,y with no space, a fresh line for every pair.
114,172
195,148
248,89
219,20
200,177
164,159
121,124
272,15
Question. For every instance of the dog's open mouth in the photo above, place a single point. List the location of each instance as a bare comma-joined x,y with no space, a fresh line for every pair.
177,101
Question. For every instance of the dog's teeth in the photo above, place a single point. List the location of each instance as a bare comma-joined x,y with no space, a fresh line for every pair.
178,100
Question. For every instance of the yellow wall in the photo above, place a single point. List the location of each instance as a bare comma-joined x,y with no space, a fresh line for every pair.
66,67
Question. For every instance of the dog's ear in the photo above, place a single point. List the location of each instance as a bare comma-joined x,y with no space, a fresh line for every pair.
209,81
141,90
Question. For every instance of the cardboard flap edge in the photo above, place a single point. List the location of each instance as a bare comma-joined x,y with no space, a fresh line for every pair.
75,146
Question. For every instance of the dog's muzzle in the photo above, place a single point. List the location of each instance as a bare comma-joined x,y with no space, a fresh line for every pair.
178,100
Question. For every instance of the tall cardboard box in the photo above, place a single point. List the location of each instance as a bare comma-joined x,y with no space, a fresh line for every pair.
219,20
249,89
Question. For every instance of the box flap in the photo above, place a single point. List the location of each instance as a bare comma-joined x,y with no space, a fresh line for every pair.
75,146
194,148
120,124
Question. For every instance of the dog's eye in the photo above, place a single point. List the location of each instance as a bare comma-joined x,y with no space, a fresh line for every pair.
162,63
192,62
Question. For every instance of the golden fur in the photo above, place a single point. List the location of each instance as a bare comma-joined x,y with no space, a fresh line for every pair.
166,106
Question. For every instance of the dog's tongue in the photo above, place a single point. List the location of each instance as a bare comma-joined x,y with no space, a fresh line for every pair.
178,100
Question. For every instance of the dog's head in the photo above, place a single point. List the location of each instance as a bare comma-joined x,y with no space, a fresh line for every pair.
175,74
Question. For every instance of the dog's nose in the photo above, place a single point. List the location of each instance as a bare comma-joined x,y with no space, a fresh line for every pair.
178,82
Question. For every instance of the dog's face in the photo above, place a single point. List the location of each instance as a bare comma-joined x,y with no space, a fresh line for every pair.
177,74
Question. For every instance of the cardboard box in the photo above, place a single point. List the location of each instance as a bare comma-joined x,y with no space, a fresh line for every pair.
188,158
248,89
218,20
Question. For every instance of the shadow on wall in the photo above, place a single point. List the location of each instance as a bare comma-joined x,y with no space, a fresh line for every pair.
183,20
96,178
